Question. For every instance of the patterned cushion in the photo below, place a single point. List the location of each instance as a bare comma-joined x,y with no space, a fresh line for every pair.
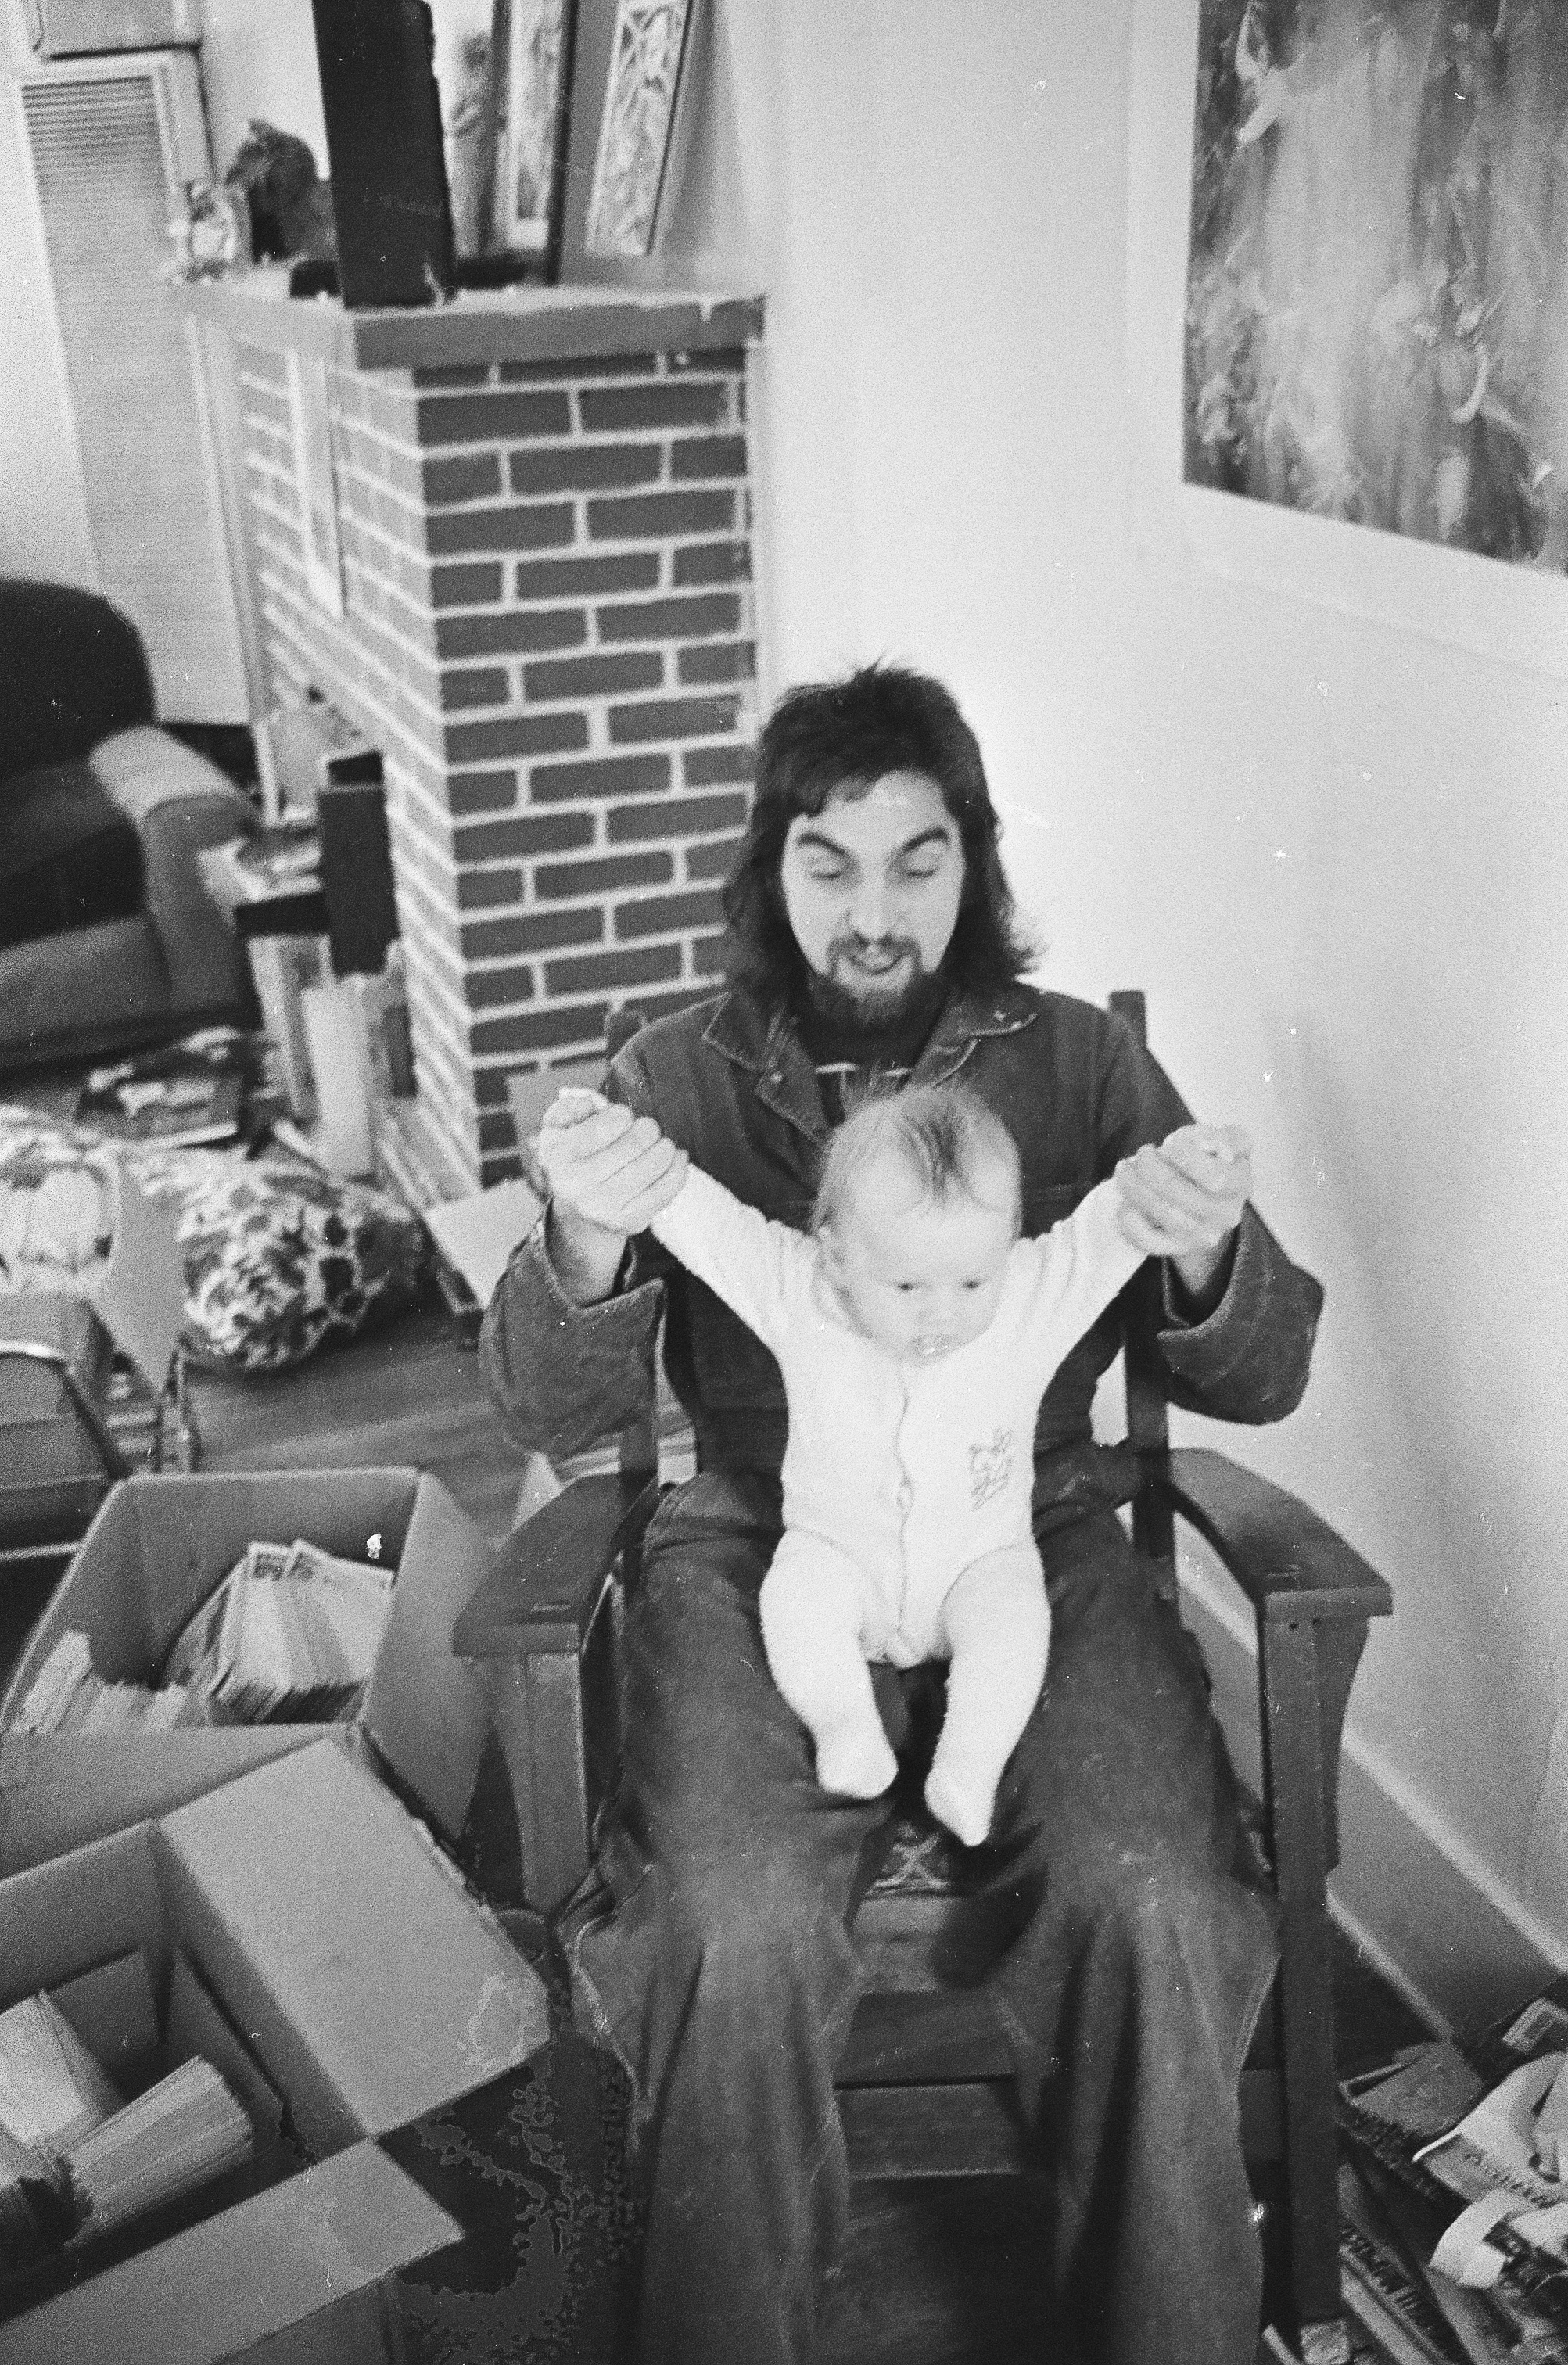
279,1257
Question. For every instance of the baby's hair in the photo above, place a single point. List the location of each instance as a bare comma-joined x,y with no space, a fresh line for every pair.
949,1143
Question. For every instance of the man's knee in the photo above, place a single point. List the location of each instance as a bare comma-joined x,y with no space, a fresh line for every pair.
1147,1910
751,1936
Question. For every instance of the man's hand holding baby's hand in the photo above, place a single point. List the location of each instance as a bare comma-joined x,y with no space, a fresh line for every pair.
609,1173
1183,1198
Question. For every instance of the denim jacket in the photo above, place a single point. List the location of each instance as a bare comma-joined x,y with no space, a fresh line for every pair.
730,1082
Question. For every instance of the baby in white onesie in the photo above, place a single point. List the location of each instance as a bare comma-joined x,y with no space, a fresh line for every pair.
916,1333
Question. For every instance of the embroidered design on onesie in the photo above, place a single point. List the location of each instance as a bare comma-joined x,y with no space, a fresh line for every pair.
991,1467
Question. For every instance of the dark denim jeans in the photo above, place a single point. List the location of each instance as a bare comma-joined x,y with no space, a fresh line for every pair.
710,1949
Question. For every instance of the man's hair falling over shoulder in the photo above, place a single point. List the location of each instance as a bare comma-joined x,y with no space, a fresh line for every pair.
848,734
950,1145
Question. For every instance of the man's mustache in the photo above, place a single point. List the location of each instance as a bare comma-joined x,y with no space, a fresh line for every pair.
854,947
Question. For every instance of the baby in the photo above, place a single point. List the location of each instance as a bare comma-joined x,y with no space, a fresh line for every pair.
916,1332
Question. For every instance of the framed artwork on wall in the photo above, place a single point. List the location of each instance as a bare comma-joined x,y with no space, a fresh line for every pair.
1347,310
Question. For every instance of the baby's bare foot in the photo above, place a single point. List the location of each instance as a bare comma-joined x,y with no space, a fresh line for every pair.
854,1761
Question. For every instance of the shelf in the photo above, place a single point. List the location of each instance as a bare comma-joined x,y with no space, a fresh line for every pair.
504,324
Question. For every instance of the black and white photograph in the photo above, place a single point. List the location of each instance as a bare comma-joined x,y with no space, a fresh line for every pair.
783,1096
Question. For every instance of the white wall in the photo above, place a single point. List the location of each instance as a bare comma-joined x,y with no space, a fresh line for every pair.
1330,849
258,58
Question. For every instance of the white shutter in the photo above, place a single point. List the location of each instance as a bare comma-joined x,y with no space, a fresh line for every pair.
109,148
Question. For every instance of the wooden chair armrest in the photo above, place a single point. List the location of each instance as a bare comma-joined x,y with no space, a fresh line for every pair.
550,1573
1311,1596
1290,1563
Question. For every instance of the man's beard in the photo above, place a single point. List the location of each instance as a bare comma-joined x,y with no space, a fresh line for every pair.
863,1008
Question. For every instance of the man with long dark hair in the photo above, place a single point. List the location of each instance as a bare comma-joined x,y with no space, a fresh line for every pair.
872,938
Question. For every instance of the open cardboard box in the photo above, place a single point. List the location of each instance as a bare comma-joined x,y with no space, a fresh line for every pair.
299,1930
155,1551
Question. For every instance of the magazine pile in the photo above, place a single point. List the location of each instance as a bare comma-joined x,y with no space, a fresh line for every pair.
1453,2196
76,2159
289,1636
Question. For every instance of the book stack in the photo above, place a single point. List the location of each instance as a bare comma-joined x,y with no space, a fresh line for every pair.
1453,2226
289,1637
76,2161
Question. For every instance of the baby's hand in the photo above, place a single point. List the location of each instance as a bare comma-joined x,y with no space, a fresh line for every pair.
1185,1198
572,1103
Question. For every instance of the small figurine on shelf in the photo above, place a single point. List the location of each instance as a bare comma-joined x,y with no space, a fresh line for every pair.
212,237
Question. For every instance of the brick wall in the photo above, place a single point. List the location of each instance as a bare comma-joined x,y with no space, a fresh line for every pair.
548,632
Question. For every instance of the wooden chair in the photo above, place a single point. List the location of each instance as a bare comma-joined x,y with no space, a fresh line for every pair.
926,2087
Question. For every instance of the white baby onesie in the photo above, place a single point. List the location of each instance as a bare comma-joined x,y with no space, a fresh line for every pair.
913,1469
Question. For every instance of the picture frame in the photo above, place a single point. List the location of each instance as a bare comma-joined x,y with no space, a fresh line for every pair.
1495,608
635,80
533,43
504,68
315,480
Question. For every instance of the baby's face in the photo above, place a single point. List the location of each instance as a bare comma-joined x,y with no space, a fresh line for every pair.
920,1278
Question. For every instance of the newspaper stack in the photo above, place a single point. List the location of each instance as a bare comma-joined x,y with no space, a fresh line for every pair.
1453,2200
290,1636
66,1695
75,2160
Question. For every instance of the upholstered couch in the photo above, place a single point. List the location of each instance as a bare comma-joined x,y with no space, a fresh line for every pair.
108,935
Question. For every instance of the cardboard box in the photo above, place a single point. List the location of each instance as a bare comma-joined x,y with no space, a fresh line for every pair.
297,1929
155,1551
55,1472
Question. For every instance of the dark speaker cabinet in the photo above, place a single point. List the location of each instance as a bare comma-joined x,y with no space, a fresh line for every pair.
382,109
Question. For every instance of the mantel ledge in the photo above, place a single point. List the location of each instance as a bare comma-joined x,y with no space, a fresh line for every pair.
509,324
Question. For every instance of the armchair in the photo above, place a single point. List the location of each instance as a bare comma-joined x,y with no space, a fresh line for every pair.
925,2087
107,937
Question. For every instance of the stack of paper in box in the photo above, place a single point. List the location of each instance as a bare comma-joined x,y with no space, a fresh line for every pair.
68,1696
289,1636
74,2160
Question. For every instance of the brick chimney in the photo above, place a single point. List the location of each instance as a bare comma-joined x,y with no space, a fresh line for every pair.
548,631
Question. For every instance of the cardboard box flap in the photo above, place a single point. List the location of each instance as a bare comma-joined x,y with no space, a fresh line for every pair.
111,1889
220,2287
344,1944
59,1791
425,1709
140,1296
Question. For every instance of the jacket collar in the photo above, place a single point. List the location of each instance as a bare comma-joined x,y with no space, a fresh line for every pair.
764,1042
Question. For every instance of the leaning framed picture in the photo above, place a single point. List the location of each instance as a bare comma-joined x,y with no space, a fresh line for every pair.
533,39
632,106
